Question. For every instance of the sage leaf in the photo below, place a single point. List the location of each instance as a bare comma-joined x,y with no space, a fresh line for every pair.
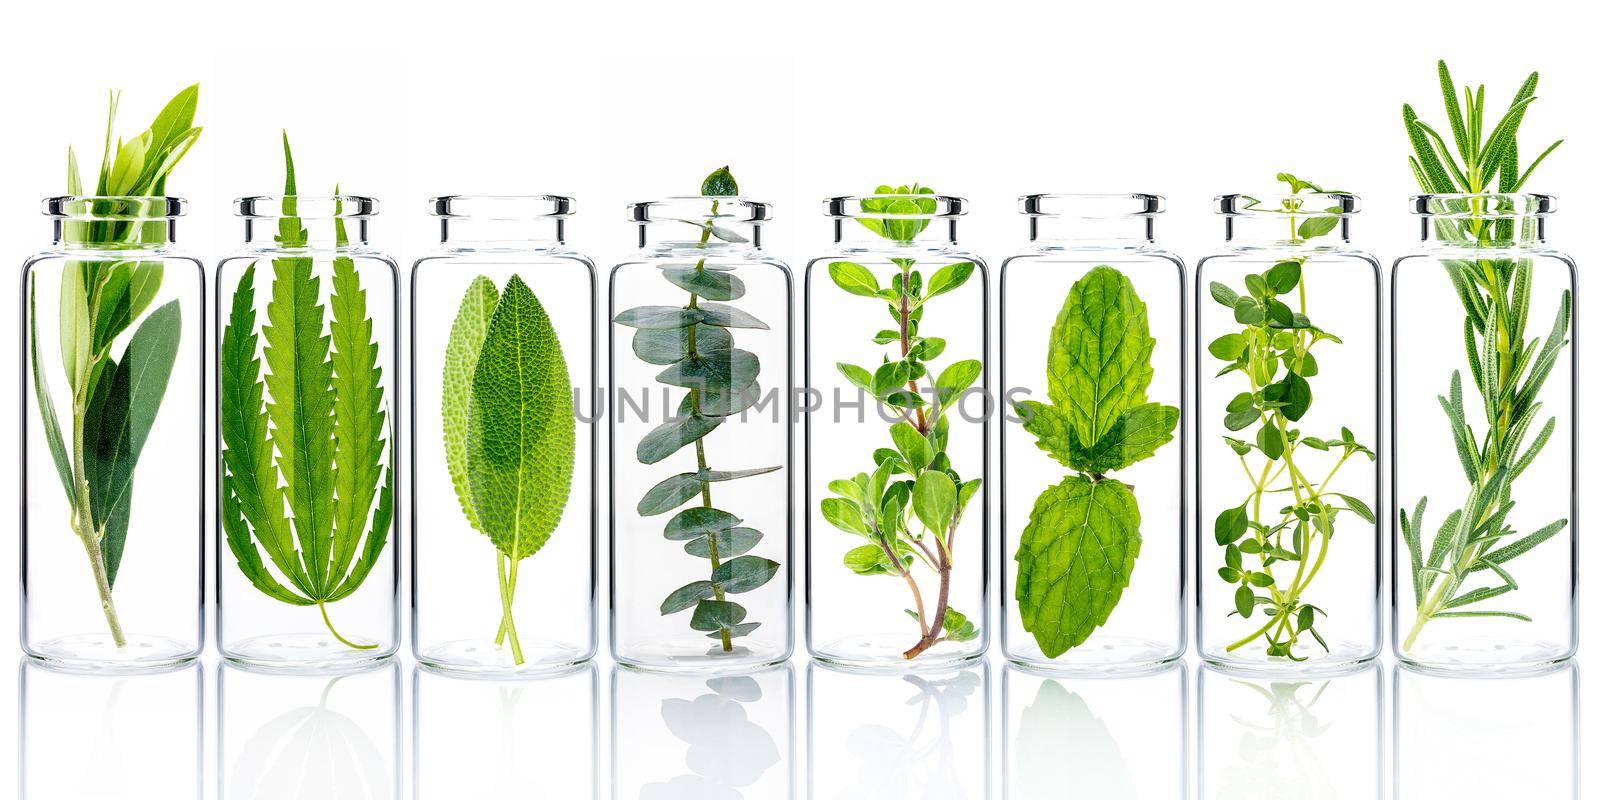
460,361
521,429
1075,558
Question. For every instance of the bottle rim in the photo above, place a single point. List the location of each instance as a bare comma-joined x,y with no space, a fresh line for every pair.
501,207
1091,205
1483,205
874,206
679,208
1304,204
116,208
338,206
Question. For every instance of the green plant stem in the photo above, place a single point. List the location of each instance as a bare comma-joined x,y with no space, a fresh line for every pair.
700,445
83,518
508,589
323,607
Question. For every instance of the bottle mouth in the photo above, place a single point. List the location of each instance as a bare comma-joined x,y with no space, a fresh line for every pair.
1091,206
341,206
699,209
114,208
1320,204
1483,206
896,206
501,208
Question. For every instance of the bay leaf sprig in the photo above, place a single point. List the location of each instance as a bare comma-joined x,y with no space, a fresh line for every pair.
1077,552
1273,554
303,422
1509,363
695,345
114,399
910,520
509,428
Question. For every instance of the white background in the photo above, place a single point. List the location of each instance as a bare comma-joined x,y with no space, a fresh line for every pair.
612,103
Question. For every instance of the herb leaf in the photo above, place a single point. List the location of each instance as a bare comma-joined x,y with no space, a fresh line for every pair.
1099,364
1075,558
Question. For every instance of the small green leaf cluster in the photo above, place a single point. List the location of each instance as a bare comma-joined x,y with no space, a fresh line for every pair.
114,399
1272,351
909,506
509,427
905,211
695,345
1508,367
1077,552
302,423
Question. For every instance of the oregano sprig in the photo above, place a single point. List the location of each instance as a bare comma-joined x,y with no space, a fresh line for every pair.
1509,363
695,345
1272,555
910,520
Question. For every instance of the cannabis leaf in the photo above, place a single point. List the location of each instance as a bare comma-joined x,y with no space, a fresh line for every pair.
1078,549
323,414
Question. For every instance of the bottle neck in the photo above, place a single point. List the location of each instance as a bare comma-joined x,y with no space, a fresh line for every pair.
1116,232
116,235
1483,233
896,234
314,234
725,236
1309,231
534,233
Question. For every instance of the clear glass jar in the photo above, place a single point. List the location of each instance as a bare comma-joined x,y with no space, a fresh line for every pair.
702,371
307,313
896,398
689,737
920,733
112,572
1092,302
1486,433
1096,735
503,285
1287,429
504,735
305,734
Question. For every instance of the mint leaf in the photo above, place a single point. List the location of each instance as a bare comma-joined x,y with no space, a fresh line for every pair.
1076,556
1099,359
1135,436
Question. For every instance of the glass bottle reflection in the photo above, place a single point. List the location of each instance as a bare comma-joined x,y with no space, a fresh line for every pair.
698,737
108,736
1314,737
308,736
494,738
898,735
1098,737
1501,736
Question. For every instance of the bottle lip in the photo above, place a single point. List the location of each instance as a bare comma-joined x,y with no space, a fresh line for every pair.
120,208
1317,204
1484,205
896,206
501,207
681,208
339,206
1090,205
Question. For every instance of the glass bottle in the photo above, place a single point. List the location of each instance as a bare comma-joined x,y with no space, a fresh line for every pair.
1092,302
113,446
503,286
896,388
307,574
701,443
1286,420
1485,418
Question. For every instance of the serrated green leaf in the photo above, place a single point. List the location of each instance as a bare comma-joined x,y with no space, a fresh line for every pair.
1136,436
1099,358
1075,558
719,183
